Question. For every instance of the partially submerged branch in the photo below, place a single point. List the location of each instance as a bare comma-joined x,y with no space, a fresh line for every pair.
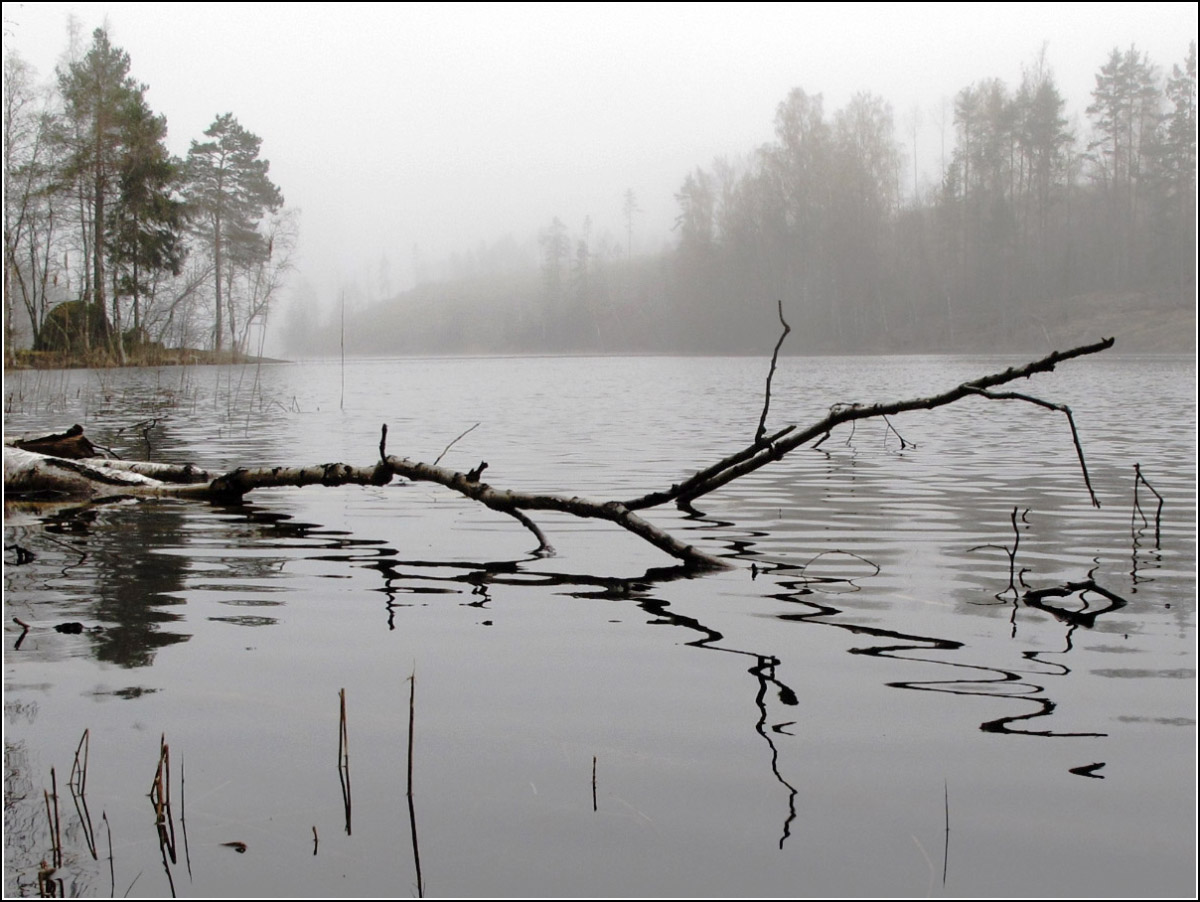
785,440
99,477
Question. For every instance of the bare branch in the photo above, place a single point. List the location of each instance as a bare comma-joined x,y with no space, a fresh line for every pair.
1138,476
452,444
1061,408
756,456
762,421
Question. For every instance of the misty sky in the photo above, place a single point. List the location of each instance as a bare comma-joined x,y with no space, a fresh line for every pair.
445,125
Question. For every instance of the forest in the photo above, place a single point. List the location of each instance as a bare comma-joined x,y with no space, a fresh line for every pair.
114,250
1033,228
1039,218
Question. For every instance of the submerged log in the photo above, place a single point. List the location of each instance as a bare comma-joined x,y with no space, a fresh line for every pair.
97,478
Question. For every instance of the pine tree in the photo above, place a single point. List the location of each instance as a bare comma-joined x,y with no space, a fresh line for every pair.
96,92
144,227
231,192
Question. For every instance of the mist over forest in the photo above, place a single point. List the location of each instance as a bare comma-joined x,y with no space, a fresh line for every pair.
1042,224
1035,232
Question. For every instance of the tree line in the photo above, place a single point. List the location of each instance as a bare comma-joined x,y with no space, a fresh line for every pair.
1026,211
112,245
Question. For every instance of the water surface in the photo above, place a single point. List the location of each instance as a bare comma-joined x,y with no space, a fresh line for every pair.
599,722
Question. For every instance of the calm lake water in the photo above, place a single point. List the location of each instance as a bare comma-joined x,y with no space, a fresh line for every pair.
862,706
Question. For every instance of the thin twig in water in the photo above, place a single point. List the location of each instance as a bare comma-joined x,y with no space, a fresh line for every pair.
79,771
112,873
50,821
903,443
762,420
946,850
412,811
1011,552
77,784
453,443
187,855
344,758
58,857
343,736
1137,507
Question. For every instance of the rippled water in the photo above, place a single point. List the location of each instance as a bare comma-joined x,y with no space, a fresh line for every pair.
597,723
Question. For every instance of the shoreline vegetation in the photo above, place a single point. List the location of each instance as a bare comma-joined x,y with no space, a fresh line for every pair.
26,359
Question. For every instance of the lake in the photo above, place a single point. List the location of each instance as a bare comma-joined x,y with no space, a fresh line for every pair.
865,704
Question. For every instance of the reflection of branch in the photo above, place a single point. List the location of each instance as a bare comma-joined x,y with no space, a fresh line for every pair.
1017,689
1035,599
478,576
1011,552
764,670
1137,507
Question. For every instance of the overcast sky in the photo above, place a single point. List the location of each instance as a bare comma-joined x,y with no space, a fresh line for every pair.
444,125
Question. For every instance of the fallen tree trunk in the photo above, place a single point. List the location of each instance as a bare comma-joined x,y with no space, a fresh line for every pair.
25,471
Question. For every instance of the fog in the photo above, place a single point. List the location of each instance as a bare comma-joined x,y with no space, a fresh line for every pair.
408,133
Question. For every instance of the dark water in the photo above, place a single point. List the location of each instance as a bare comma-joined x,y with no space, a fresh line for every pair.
806,727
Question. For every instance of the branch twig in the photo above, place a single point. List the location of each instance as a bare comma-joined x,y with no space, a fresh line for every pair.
1137,507
1061,408
762,421
452,444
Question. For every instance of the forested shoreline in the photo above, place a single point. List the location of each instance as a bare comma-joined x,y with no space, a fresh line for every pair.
1036,232
115,251
1040,225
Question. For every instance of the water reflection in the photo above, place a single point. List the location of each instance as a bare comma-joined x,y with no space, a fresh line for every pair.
146,560
1004,684
867,537
135,588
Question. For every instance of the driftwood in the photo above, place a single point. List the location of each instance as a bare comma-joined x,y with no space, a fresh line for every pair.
25,471
71,444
